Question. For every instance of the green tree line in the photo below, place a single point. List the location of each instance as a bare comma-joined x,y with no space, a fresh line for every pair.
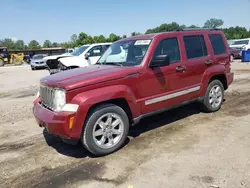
83,38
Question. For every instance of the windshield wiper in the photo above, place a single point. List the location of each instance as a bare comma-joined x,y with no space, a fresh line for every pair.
110,63
114,63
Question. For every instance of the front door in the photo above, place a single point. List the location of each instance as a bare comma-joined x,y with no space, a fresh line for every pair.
94,54
162,87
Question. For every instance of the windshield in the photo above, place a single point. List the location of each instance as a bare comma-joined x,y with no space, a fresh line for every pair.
69,51
240,42
38,56
3,50
126,53
79,51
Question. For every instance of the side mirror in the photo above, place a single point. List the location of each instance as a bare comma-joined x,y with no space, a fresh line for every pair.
87,56
159,61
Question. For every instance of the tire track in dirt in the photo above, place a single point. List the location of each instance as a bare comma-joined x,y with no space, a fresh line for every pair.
21,93
14,147
237,104
61,176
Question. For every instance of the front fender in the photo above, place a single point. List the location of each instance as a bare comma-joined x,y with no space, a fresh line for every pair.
87,99
209,73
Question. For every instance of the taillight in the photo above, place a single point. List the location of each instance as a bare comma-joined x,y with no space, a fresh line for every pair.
228,64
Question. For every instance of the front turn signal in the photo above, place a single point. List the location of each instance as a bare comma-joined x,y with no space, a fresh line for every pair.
71,121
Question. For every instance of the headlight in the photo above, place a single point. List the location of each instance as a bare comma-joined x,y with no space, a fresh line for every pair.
70,108
59,99
38,94
55,99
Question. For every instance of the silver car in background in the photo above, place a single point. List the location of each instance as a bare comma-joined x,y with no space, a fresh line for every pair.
37,61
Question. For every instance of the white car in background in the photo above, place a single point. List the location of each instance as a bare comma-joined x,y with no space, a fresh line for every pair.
240,44
84,56
69,50
52,60
66,54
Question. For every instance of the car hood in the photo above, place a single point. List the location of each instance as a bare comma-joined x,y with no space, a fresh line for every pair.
37,60
56,56
85,76
79,61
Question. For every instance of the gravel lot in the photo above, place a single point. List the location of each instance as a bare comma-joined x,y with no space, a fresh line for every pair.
181,148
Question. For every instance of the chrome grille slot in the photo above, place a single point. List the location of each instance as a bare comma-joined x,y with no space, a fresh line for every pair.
47,94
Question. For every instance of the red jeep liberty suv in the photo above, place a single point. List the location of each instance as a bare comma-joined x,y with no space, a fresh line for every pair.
136,77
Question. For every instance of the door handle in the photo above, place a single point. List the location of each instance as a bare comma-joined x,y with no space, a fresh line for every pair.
208,62
180,68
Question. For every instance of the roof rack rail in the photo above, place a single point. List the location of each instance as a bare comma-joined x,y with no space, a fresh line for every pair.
197,29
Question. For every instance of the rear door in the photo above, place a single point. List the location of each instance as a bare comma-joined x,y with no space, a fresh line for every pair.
220,50
197,59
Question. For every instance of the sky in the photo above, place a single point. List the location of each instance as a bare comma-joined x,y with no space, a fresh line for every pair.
57,20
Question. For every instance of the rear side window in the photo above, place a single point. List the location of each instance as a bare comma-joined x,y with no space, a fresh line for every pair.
169,47
217,44
195,46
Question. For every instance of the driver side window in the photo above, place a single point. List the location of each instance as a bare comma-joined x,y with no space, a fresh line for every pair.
169,47
95,51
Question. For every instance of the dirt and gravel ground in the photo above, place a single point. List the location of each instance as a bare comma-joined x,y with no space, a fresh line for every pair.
181,148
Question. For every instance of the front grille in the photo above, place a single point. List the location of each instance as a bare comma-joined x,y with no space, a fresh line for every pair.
47,96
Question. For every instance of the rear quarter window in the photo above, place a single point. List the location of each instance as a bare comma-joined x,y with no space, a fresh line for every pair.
195,46
217,43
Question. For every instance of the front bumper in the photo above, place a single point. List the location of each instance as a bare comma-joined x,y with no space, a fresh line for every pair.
55,123
38,65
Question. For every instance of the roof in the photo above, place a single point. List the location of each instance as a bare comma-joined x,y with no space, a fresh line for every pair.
55,48
139,37
95,44
102,43
152,35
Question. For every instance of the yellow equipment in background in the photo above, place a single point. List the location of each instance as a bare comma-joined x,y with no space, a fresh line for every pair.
10,58
17,59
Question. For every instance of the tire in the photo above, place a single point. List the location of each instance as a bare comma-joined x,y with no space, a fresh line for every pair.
100,114
2,62
33,68
209,106
17,62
